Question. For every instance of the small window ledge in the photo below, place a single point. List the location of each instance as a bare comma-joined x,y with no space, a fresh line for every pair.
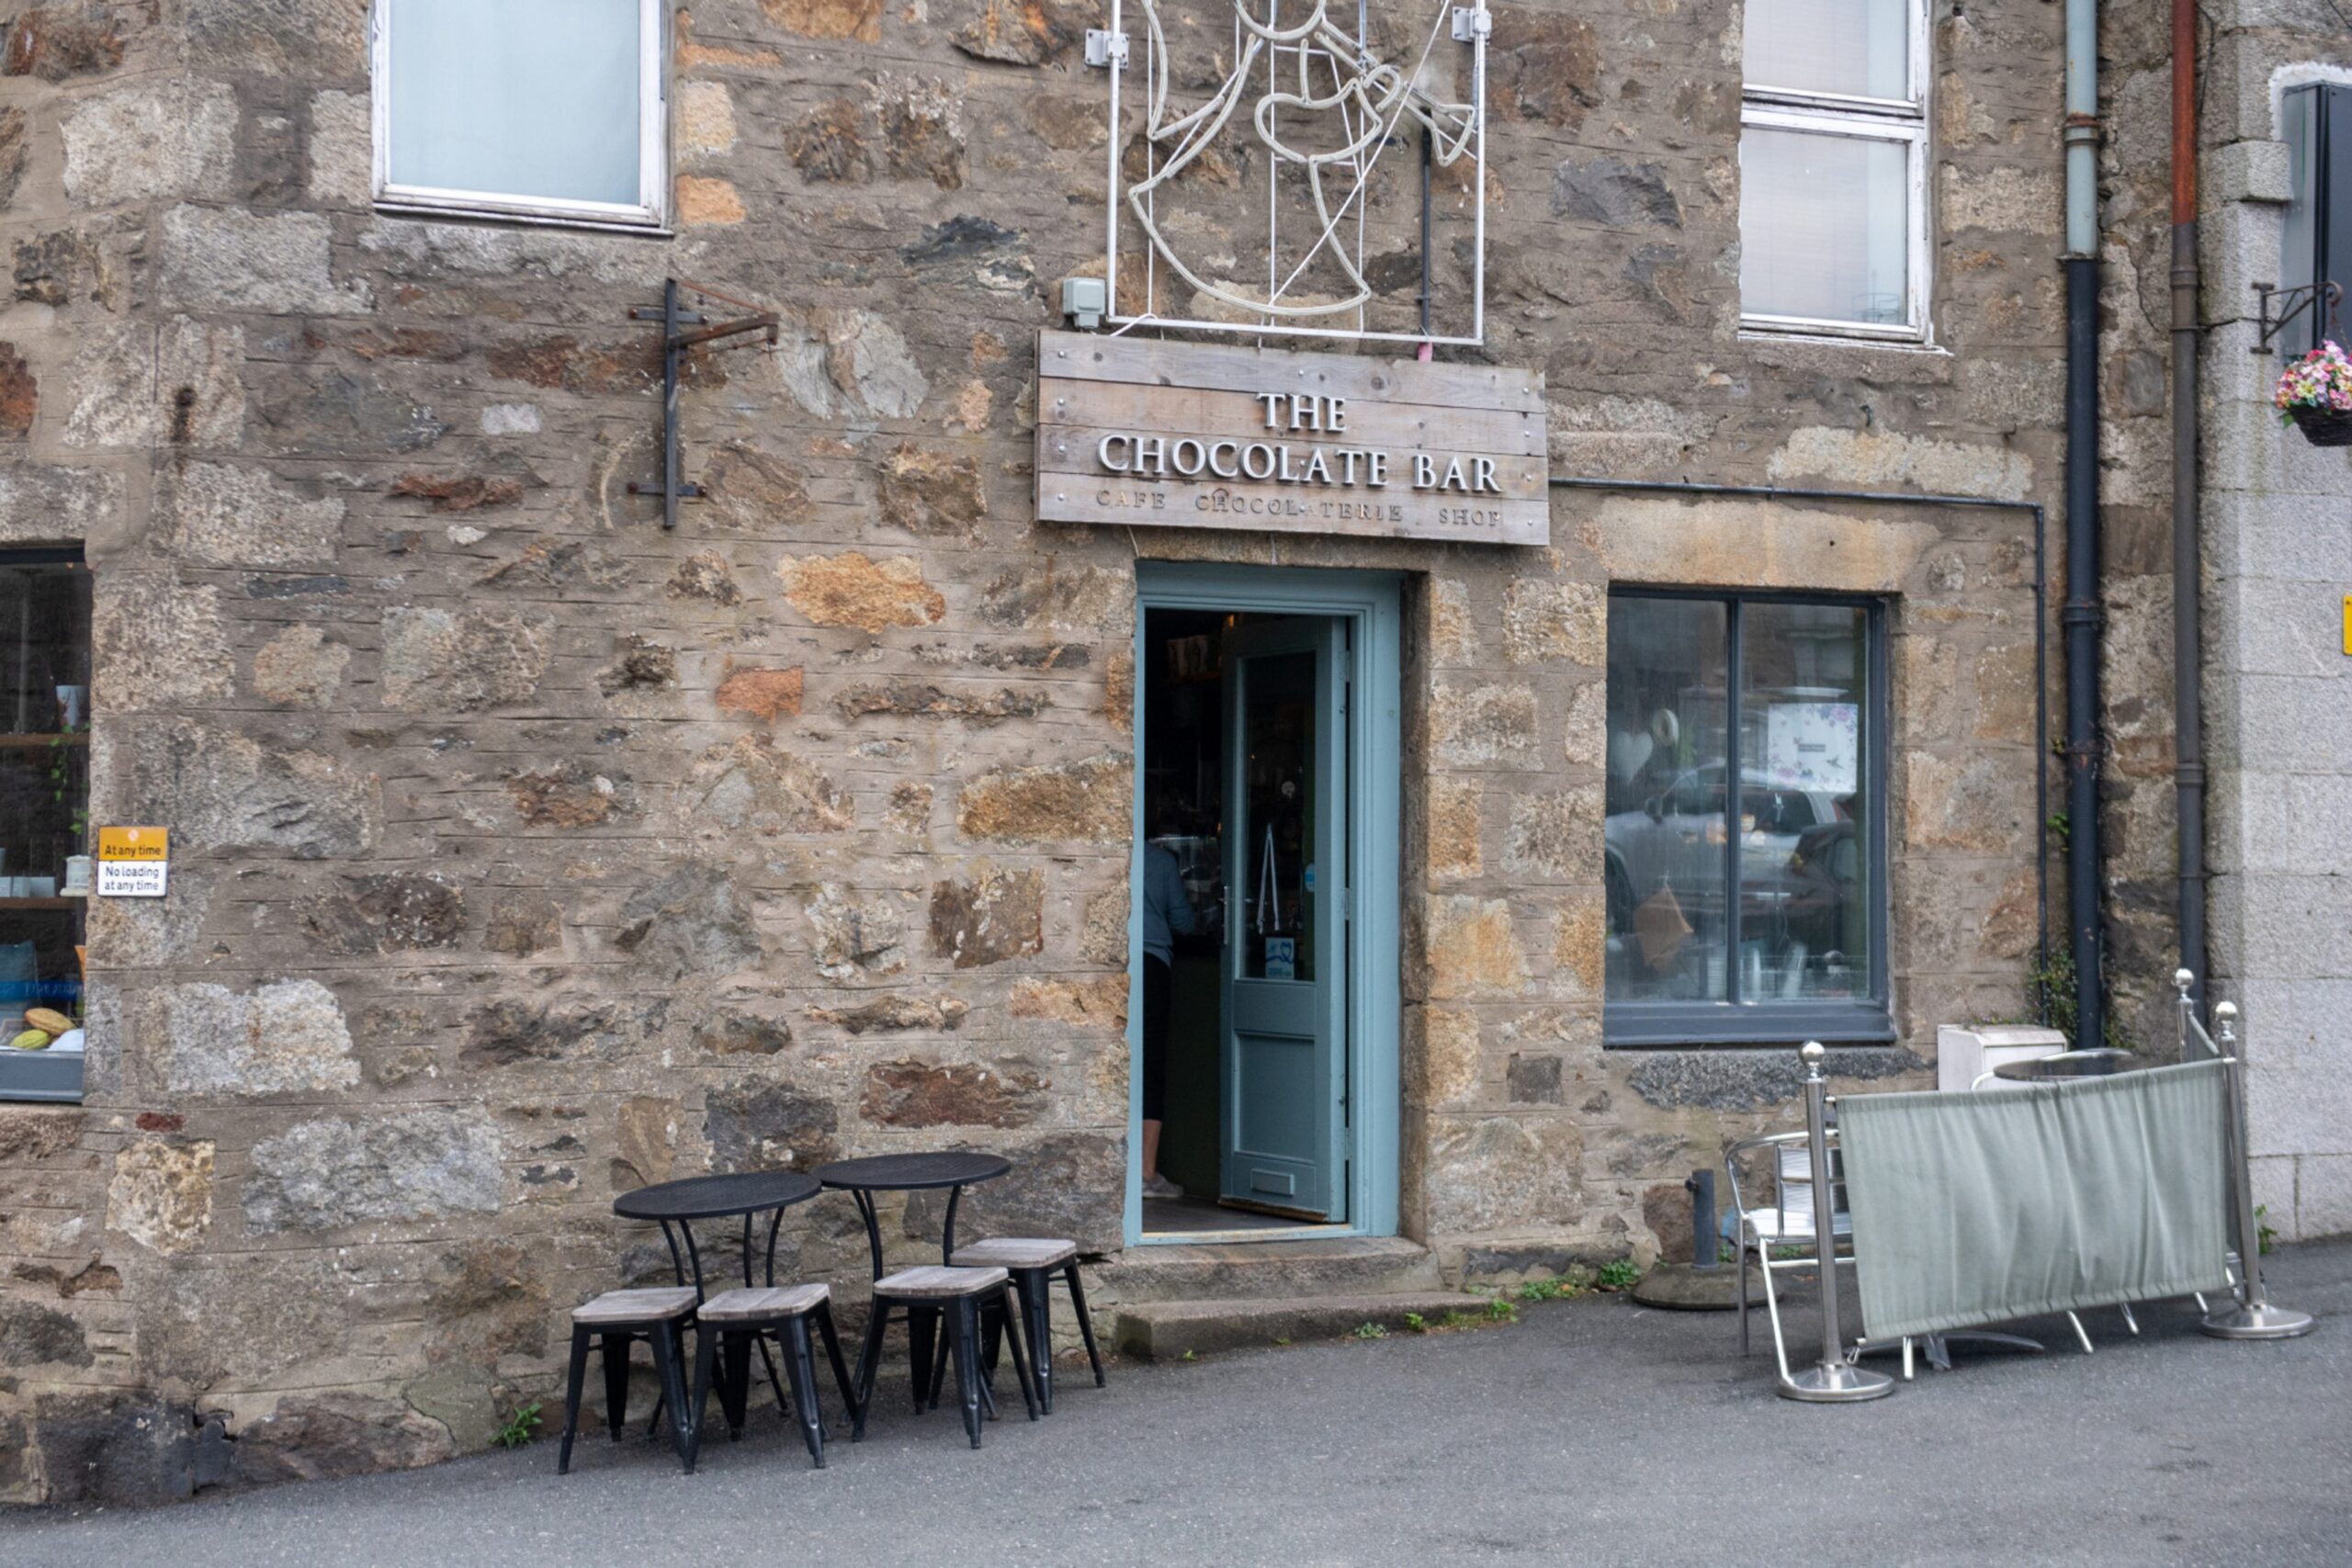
494,217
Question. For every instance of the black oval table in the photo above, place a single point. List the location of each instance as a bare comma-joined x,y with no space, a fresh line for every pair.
747,1193
861,1179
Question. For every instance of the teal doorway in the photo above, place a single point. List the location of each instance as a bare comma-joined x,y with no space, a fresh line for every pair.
1263,920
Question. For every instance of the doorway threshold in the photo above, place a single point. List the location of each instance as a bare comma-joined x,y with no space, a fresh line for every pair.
1167,1220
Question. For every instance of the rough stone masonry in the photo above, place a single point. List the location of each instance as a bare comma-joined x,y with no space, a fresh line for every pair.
526,853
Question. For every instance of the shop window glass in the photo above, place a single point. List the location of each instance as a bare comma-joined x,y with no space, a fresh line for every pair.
44,812
1743,837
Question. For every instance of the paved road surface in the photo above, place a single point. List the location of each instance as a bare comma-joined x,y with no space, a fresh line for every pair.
1593,1433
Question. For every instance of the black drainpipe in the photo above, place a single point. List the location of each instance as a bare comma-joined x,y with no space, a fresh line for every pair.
2040,633
2081,618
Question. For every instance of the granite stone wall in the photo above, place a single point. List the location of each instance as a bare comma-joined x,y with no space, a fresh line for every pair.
526,853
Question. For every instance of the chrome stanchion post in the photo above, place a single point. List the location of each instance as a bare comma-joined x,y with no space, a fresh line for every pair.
2184,982
1834,1380
2254,1318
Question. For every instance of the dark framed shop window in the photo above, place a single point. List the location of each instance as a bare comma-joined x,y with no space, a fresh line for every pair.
2315,246
44,819
1745,835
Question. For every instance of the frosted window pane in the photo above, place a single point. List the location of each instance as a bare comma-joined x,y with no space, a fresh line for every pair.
1823,226
1858,49
534,98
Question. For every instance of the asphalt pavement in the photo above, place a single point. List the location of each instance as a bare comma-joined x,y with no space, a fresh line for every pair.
1594,1431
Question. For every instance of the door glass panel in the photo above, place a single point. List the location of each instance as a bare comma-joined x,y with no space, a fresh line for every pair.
1277,897
1667,849
1805,928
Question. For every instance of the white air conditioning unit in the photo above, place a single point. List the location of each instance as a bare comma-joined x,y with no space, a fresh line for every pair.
1963,1055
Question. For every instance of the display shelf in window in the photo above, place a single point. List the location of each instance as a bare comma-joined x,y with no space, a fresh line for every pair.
44,819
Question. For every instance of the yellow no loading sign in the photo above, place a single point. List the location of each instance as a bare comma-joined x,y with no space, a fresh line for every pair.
133,863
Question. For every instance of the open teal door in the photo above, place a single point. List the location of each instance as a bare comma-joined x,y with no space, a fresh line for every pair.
1285,1055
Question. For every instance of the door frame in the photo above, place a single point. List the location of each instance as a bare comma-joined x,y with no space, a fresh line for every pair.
1370,602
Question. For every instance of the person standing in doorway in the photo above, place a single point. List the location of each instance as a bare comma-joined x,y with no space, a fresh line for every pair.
1166,912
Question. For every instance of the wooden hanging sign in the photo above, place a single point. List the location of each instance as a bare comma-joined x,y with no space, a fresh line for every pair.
1219,435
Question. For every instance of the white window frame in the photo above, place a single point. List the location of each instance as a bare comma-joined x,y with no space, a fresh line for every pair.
651,210
1899,120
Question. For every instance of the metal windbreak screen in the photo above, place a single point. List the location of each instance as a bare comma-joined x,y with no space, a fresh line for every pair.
1279,167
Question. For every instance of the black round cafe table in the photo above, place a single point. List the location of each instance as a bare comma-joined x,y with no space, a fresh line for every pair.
747,1193
861,1179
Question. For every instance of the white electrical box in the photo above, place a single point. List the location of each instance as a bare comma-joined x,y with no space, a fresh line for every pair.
1963,1055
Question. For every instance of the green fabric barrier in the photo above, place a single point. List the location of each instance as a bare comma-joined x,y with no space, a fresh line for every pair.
1971,1208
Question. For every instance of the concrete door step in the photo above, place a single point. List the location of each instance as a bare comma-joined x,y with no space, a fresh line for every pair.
1275,1270
1167,1331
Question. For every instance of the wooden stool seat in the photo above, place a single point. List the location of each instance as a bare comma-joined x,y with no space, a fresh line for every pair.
657,1305
763,1305
932,1283
1015,1252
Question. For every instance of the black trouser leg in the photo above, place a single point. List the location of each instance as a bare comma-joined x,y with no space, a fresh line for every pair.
706,1361
870,1358
833,1350
922,1323
1019,1363
735,1379
573,1379
1030,1286
968,1362
669,1347
801,1367
616,1382
1085,1319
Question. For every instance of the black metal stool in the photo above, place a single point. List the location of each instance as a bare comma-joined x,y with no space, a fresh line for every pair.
617,1319
1032,1261
740,1319
928,1295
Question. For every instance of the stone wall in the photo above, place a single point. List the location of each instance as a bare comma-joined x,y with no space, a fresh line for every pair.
526,853
2278,561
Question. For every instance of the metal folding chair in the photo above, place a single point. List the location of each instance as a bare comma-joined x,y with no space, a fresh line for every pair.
1788,1221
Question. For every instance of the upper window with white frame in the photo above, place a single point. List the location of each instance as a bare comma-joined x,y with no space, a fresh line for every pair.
1833,152
548,109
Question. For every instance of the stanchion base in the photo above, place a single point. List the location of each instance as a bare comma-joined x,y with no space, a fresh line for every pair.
2260,1321
1834,1382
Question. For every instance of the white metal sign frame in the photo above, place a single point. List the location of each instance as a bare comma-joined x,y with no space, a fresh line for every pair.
1373,97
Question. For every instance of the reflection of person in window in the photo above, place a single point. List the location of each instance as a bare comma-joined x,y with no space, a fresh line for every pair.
1166,912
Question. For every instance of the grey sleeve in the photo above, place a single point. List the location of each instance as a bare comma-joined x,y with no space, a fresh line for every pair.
1167,890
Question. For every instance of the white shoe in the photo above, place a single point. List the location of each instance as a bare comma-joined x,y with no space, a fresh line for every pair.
1161,1187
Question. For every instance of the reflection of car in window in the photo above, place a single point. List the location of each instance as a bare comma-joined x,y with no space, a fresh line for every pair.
1800,868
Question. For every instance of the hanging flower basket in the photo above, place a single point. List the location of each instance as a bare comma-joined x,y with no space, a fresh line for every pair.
2315,394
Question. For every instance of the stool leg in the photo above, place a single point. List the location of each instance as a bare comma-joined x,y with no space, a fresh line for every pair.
705,1362
1020,1362
968,1362
801,1367
922,1325
668,1347
735,1381
577,1375
616,1382
870,1358
760,1338
1029,1284
1085,1319
833,1350
938,1369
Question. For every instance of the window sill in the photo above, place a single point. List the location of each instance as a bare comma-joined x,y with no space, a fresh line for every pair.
1675,1026
492,216
1752,332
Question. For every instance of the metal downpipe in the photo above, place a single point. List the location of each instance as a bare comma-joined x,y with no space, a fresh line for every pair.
2084,612
2188,719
